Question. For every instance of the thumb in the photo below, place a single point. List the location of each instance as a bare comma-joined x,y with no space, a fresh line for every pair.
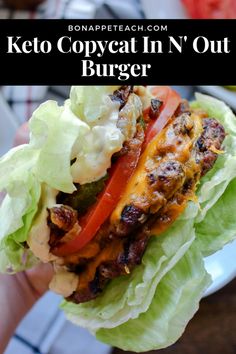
22,135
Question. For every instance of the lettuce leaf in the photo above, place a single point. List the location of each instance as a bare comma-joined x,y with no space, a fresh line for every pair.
176,300
16,214
214,183
16,166
215,225
219,225
89,103
126,297
54,131
18,207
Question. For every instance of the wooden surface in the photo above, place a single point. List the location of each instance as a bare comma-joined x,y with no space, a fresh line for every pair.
212,330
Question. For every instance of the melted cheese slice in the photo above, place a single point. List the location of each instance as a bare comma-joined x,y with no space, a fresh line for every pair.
166,144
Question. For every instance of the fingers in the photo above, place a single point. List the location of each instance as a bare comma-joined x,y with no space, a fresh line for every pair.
40,277
22,135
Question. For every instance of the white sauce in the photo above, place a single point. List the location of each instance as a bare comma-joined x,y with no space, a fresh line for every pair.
40,234
63,282
94,151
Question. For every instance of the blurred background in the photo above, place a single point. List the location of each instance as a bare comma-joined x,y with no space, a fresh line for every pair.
45,329
212,9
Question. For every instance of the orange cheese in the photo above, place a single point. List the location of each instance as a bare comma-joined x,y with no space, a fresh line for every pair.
166,145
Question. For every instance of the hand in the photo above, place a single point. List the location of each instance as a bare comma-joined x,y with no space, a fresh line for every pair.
39,278
22,135
18,293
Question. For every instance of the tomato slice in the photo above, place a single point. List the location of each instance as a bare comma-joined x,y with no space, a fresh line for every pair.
171,100
90,223
211,9
119,174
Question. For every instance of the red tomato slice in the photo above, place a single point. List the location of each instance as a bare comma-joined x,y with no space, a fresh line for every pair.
211,9
108,199
120,172
171,101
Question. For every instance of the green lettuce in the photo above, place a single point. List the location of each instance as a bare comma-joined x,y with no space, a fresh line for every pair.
176,300
18,207
215,223
16,214
54,131
89,103
16,166
215,182
219,225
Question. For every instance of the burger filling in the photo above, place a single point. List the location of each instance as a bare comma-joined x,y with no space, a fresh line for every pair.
163,181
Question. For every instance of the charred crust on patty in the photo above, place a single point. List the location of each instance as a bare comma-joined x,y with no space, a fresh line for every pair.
121,95
155,108
212,138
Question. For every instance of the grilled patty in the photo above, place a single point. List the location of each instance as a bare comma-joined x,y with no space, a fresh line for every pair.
158,191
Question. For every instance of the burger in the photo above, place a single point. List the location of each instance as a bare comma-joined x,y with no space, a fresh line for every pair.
124,189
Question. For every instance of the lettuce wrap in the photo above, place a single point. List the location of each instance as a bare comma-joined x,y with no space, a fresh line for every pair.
149,308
